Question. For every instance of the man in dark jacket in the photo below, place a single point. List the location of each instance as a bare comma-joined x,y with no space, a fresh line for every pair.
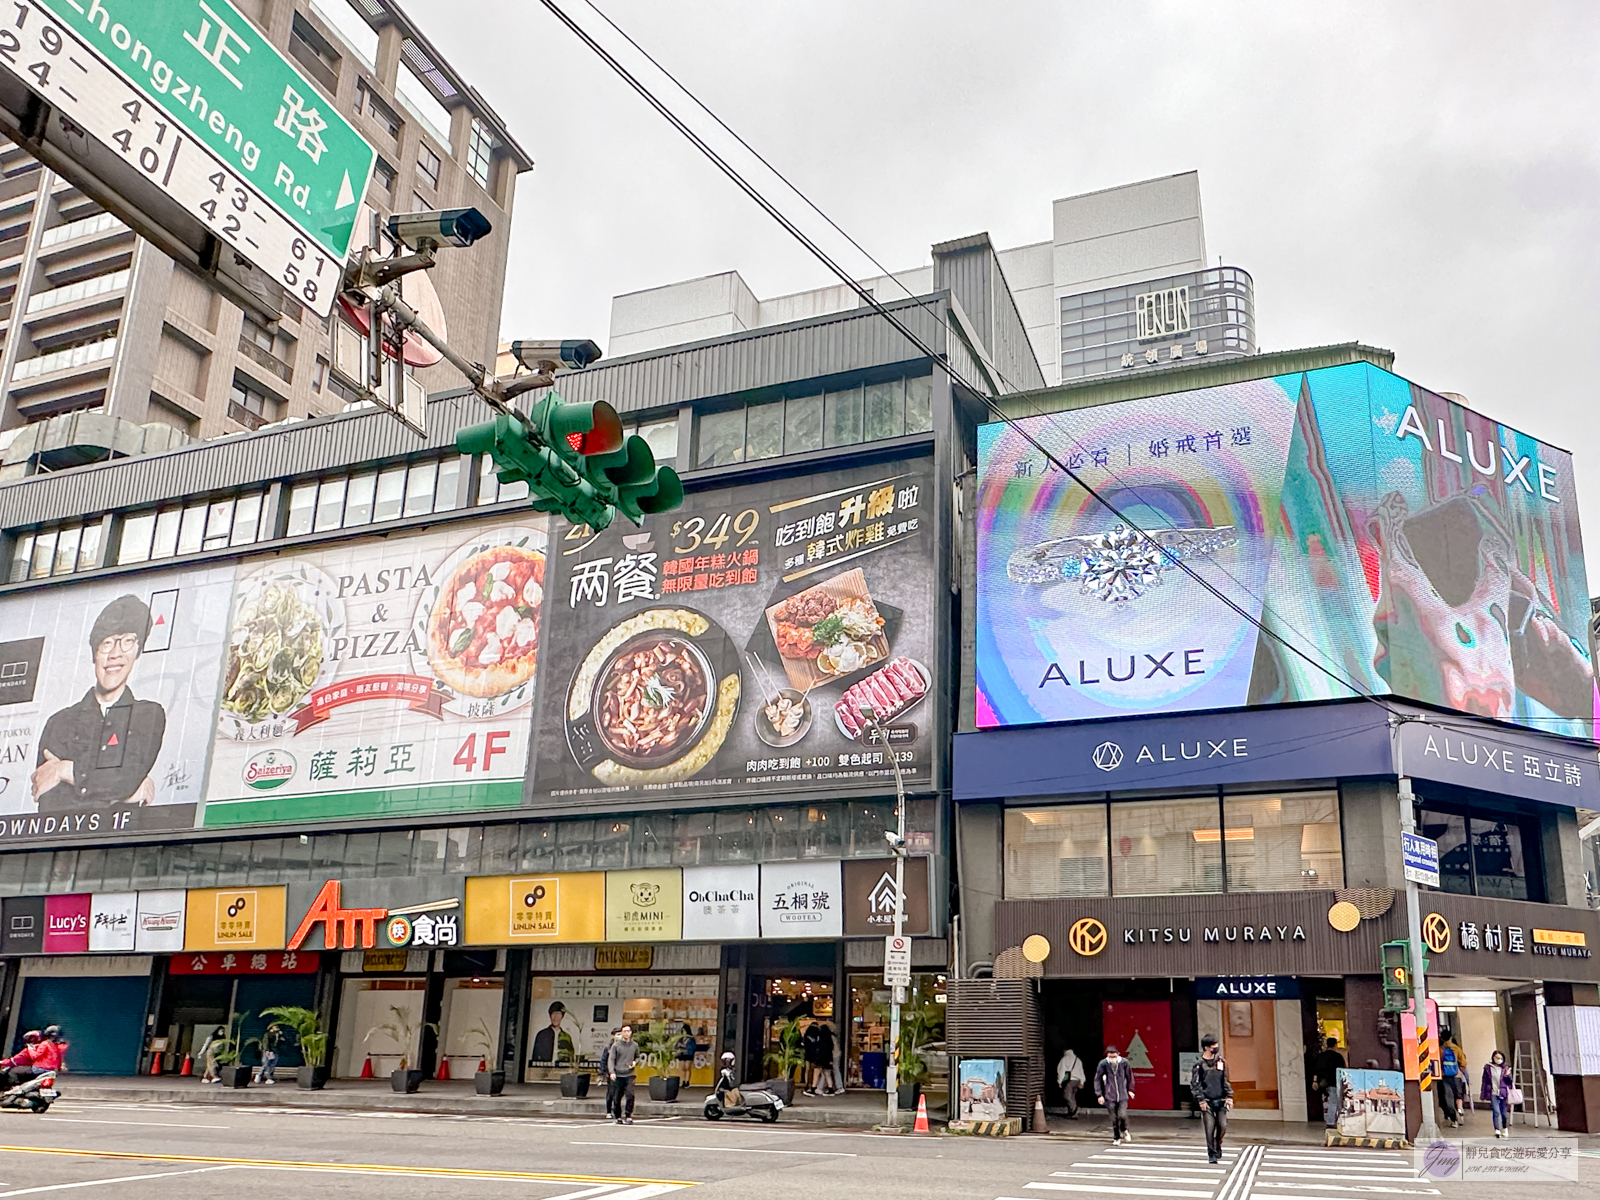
99,752
1325,1075
1211,1087
1113,1087
624,1065
605,1075
817,1043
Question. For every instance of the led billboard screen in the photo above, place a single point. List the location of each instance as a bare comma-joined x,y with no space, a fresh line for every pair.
1360,533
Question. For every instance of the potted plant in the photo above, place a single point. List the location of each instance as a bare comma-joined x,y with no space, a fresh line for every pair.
486,1082
913,1066
227,1051
403,1032
656,1050
313,1038
788,1057
574,1083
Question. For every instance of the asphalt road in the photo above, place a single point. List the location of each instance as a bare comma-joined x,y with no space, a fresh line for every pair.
146,1151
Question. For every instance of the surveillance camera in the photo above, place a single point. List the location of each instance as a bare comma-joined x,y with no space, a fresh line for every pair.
547,356
440,227
896,842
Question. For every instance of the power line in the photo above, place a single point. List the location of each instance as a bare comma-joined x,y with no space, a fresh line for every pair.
867,297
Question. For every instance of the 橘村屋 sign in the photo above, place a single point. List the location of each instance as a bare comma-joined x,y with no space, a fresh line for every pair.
1420,858
207,108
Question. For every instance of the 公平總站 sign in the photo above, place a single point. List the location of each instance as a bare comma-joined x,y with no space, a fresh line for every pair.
193,95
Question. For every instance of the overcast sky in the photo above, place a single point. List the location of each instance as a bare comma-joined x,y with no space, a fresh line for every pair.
1423,177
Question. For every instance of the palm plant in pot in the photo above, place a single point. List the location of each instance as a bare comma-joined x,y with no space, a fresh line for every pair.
227,1052
403,1031
485,1081
656,1051
913,1066
787,1057
574,1083
313,1039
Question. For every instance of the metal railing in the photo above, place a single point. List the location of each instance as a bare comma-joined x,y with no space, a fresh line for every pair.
267,359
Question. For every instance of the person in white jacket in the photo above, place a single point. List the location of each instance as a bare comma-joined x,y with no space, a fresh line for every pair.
1069,1074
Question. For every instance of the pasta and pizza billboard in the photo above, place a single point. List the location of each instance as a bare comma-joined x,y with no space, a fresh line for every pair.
1310,536
726,648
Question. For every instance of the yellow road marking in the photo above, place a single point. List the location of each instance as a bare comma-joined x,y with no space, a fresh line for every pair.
381,1168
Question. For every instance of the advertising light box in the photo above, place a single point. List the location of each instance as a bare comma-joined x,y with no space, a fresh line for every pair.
1386,540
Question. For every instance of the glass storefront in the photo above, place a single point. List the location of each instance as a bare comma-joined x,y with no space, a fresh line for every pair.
572,1017
921,1031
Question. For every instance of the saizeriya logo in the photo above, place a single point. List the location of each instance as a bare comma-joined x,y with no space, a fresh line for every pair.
269,769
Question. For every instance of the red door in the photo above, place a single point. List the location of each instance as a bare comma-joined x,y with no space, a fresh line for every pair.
1142,1030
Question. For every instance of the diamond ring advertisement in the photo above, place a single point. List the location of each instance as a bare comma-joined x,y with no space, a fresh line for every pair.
1120,565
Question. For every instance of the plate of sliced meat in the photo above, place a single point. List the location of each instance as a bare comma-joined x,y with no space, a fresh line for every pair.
891,691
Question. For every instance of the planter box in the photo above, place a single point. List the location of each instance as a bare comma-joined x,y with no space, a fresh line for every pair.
783,1089
909,1091
489,1083
575,1084
664,1087
313,1079
406,1081
236,1077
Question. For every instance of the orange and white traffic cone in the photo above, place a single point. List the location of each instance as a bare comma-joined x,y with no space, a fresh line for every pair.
921,1125
444,1068
155,1064
483,1064
366,1069
188,1066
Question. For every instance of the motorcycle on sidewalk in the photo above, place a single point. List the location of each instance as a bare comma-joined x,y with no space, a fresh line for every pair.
32,1095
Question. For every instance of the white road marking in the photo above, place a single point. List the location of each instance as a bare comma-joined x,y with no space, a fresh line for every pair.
1143,1166
1114,1178
62,1187
1101,1189
152,1124
718,1149
586,1192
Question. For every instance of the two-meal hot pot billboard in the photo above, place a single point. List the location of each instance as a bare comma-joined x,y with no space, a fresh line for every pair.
725,649
1320,534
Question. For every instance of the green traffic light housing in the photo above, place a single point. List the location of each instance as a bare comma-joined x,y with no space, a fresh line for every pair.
1395,961
576,461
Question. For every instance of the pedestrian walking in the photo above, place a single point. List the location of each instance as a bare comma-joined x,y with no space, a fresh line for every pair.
208,1055
817,1044
624,1065
1113,1087
1069,1074
1497,1090
267,1073
1447,1085
1209,1084
605,1074
684,1054
1325,1070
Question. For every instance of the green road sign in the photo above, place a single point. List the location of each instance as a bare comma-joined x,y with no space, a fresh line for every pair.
214,73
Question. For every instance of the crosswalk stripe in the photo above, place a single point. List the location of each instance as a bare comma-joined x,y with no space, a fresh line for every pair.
1363,1188
1102,1189
1147,1178
1142,1166
1364,1173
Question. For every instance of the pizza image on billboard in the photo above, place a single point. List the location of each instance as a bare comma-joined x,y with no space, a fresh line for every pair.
1313,536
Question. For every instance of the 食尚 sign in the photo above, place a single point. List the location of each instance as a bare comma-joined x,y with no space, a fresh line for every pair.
896,961
194,95
1420,858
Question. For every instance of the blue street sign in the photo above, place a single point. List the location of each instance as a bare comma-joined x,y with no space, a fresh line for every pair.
1420,857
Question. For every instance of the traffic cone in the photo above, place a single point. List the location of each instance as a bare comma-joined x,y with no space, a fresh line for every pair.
155,1064
483,1064
188,1066
921,1125
1040,1125
366,1070
444,1068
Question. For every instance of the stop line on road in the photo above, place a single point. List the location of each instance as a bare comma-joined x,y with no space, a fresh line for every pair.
1162,1172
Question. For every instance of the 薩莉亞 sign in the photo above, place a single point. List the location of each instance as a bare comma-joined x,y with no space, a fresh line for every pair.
1420,858
195,96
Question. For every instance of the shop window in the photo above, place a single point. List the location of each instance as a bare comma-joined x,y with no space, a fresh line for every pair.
56,550
394,853
500,849
841,417
611,844
1161,847
538,847
480,152
575,845
1283,843
189,528
822,831
801,424
1486,852
1058,851
652,840
736,836
428,164
1497,860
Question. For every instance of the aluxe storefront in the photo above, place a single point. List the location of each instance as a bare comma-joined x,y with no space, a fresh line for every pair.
1204,892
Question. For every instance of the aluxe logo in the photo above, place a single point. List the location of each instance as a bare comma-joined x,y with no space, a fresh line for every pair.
345,925
1108,756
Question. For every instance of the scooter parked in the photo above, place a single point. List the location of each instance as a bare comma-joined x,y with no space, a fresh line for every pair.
728,1099
32,1095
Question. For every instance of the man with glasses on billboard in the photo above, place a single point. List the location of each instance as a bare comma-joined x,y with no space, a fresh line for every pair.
99,752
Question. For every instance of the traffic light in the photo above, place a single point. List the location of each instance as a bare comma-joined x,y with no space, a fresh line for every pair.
576,462
1396,959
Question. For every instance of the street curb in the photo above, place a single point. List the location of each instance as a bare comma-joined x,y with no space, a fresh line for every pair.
471,1104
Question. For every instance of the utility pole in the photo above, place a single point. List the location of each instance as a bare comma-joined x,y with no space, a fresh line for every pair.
897,843
1429,1129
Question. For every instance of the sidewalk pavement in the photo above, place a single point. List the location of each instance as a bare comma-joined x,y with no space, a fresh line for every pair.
856,1109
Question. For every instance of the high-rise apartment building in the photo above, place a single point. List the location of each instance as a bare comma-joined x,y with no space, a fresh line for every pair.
112,349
